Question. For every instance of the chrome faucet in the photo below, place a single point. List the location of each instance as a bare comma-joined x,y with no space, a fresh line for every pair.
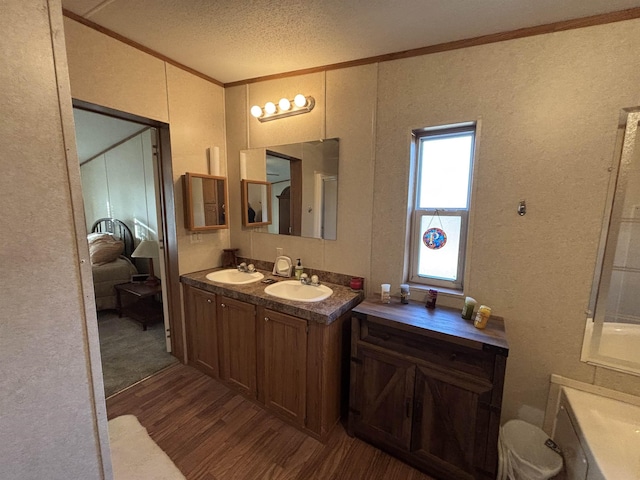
243,267
313,281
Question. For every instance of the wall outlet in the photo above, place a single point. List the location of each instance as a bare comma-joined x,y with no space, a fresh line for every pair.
279,252
195,237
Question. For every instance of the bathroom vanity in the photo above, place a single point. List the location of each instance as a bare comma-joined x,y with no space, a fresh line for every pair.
426,386
286,355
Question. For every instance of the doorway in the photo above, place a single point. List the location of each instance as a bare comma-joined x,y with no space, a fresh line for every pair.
124,164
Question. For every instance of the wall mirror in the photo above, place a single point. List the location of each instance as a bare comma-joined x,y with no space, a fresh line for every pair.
256,203
205,202
612,334
304,180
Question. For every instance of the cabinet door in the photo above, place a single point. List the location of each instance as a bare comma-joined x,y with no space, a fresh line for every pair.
285,365
201,330
383,398
237,329
450,422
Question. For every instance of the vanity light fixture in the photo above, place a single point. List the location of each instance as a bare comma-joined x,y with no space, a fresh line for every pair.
285,108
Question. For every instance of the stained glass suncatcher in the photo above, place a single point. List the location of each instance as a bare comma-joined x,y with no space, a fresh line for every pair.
434,238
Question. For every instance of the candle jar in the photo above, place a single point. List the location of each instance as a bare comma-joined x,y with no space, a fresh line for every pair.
467,310
482,317
356,283
385,293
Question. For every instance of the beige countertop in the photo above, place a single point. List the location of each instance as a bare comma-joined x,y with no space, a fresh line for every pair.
326,311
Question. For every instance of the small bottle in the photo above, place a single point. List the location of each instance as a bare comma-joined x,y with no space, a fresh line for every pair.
299,270
385,293
432,296
482,317
467,310
404,293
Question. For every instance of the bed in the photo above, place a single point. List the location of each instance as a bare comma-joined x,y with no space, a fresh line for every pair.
110,247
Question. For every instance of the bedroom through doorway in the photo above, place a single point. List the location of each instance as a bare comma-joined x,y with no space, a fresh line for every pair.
120,169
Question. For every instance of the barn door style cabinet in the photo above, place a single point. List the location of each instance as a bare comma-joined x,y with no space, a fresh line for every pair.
426,386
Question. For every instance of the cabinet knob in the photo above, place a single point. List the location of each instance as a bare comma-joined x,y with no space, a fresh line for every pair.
223,305
453,357
266,319
208,300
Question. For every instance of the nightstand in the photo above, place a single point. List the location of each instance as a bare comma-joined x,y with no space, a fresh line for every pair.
145,309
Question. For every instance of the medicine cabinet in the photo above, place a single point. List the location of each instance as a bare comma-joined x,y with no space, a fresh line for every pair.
256,203
205,200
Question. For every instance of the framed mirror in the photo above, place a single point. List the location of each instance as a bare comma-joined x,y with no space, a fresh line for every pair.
256,203
304,180
205,202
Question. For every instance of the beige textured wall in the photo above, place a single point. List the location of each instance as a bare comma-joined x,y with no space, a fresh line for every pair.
345,108
547,108
49,425
196,119
107,72
112,74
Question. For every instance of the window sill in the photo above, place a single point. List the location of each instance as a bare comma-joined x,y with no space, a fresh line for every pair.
447,297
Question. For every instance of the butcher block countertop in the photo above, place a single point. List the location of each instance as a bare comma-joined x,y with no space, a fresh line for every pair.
441,322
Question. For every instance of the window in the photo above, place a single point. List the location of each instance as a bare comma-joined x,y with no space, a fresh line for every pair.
444,164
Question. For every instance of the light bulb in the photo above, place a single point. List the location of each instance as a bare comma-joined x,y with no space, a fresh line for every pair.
284,104
270,108
256,111
300,100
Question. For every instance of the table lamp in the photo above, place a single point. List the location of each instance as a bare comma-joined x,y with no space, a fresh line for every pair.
148,249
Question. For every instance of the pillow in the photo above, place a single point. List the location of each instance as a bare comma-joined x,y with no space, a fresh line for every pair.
100,237
104,248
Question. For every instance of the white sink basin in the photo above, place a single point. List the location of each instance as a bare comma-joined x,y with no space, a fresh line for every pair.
294,290
234,277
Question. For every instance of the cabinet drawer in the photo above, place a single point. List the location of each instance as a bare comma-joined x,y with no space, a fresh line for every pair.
444,354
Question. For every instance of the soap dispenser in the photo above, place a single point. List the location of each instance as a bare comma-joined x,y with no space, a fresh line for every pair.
299,270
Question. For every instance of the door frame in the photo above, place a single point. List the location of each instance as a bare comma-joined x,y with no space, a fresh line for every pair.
167,214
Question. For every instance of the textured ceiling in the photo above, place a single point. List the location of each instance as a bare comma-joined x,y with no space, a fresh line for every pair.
232,40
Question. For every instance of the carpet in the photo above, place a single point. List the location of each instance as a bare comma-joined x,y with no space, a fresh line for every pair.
135,456
129,353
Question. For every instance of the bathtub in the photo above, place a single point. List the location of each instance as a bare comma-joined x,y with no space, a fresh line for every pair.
598,431
620,340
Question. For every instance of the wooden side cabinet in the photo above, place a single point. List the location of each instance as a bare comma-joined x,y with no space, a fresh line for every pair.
426,386
237,343
202,330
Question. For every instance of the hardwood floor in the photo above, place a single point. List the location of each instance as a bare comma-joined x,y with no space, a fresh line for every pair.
211,433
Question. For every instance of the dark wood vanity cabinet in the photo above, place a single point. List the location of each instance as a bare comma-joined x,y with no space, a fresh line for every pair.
426,386
201,323
237,344
285,364
290,365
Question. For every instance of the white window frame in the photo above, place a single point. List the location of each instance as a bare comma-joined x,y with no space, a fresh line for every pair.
418,213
